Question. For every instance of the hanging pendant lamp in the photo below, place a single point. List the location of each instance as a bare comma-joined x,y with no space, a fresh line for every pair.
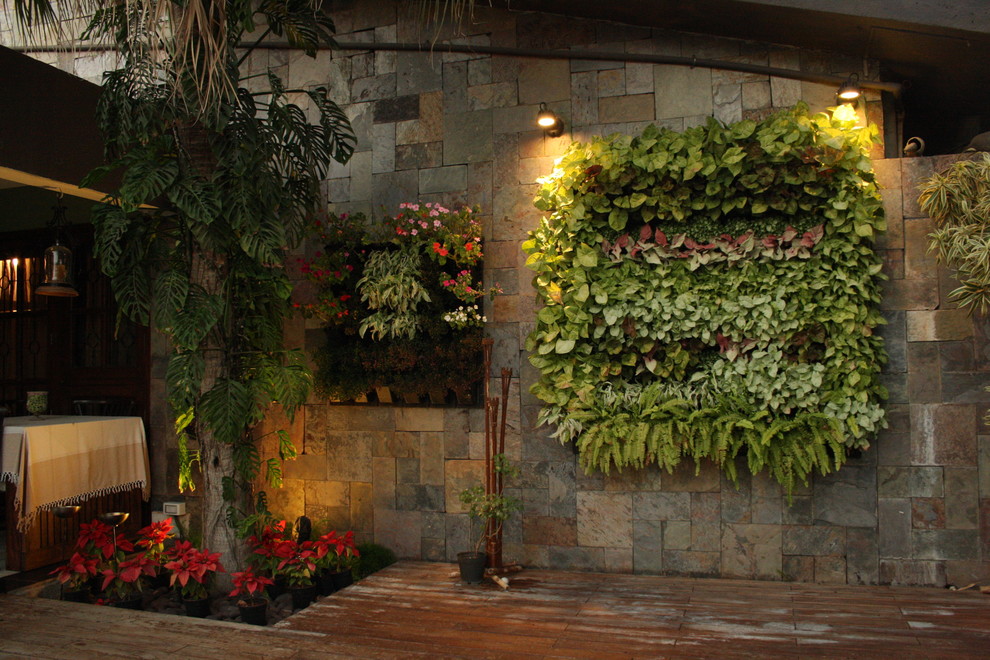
58,261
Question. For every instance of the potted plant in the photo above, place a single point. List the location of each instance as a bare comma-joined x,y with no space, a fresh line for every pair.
194,570
152,538
122,580
263,558
298,565
75,575
335,559
484,508
253,605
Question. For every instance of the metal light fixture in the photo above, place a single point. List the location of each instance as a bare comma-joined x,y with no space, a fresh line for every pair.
58,261
548,120
849,91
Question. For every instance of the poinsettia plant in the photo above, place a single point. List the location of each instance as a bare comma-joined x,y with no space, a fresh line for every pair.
263,558
193,569
247,583
297,562
77,571
340,550
122,578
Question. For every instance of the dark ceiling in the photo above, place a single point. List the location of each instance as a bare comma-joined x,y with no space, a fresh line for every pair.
945,70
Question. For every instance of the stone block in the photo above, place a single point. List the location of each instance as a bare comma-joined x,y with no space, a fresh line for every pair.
965,388
543,80
419,419
443,179
962,503
687,477
373,88
584,98
737,498
756,94
522,118
422,155
817,540
455,87
911,573
751,551
431,458
939,325
646,479
417,72
676,533
383,480
706,536
361,188
406,470
706,507
383,148
460,475
959,573
830,570
604,519
492,95
399,444
578,558
535,501
728,103
847,497
618,560
419,497
362,506
800,511
909,294
862,556
612,82
894,527
944,435
635,108
479,71
956,356
691,564
308,467
401,108
909,481
456,427
928,513
914,173
682,91
924,379
547,530
984,465
327,493
945,544
893,237
401,531
467,138
433,549
661,506
648,545
919,263
894,334
797,568
434,525
639,78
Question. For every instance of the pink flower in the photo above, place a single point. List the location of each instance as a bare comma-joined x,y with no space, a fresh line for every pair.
414,232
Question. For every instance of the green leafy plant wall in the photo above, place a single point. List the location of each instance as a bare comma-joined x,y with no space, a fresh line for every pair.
711,293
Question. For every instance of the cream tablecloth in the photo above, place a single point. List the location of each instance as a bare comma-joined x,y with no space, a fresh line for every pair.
66,459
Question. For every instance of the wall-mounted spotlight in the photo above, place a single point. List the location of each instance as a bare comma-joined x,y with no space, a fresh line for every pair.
548,120
849,91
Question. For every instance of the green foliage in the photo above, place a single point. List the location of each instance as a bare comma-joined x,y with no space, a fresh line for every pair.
373,558
194,239
958,200
495,507
389,295
712,293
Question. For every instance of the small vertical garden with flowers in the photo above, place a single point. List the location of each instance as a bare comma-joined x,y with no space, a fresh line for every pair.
402,303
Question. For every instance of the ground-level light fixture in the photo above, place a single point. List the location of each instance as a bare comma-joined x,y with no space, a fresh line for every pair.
58,261
849,91
548,120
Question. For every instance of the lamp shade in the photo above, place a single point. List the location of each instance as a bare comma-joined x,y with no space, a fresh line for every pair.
58,273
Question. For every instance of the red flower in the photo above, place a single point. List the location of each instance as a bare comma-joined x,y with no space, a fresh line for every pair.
468,247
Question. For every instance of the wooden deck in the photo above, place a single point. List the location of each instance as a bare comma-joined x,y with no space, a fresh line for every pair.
418,609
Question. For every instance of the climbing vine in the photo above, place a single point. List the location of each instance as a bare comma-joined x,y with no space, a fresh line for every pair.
711,293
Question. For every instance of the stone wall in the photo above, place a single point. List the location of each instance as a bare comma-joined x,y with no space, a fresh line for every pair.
459,129
453,128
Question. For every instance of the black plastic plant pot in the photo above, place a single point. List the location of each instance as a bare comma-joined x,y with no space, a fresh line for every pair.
472,565
254,611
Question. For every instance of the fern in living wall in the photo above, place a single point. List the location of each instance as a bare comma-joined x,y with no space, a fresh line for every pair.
211,196
712,293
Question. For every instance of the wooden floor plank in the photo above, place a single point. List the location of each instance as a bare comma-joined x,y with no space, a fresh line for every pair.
420,610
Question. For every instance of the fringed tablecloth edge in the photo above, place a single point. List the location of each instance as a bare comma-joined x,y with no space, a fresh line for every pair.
24,524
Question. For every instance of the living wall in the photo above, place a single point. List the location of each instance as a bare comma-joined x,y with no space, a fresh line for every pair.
401,303
712,293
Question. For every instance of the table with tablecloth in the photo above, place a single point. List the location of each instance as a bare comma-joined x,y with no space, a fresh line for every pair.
58,460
